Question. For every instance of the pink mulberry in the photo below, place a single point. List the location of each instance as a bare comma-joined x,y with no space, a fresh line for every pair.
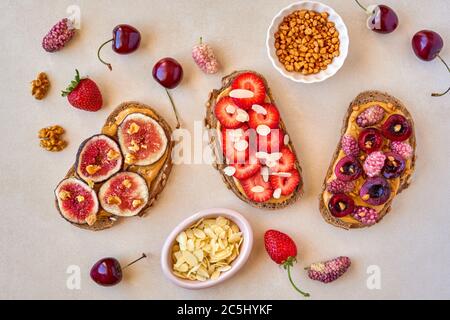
58,36
374,164
350,146
370,116
205,58
365,215
338,186
403,149
329,271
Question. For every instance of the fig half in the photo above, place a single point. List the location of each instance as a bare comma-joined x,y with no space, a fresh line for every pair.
98,159
142,139
77,202
124,195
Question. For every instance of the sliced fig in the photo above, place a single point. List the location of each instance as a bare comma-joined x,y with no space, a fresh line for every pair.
77,202
124,195
142,139
98,159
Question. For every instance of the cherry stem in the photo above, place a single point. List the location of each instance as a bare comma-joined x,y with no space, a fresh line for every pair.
448,90
305,294
361,6
201,40
174,109
131,263
98,55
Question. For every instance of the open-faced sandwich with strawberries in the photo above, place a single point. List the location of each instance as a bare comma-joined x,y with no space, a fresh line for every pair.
252,148
373,163
120,172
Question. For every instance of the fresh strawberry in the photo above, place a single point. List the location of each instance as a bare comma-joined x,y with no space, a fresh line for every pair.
270,119
272,142
287,161
229,139
285,183
84,94
226,113
247,170
251,186
249,81
283,250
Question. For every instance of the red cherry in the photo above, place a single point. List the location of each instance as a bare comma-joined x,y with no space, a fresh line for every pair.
108,272
382,19
427,46
169,73
126,39
341,205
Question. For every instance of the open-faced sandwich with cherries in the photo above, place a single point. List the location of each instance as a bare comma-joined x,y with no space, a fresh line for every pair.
120,172
373,163
252,148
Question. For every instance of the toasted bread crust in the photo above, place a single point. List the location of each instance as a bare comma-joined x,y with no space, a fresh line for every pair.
363,98
211,123
155,188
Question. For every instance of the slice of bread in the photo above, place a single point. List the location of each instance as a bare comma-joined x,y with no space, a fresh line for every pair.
405,180
156,175
211,123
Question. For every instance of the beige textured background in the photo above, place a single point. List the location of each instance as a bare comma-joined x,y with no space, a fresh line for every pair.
36,246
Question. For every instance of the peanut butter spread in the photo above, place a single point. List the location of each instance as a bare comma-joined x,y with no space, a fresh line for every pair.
354,130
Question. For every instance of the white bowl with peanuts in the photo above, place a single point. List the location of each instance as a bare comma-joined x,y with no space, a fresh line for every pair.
307,42
207,249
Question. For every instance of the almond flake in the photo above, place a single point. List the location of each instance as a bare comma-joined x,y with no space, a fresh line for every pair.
275,156
241,145
229,171
258,189
262,155
283,174
230,109
277,193
259,109
241,94
263,130
270,163
265,174
242,115
286,140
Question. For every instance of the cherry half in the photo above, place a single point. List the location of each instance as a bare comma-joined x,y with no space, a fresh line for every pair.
126,39
427,46
108,272
341,205
382,19
168,72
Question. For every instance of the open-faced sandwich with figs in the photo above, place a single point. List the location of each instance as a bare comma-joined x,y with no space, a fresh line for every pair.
373,163
120,172
252,148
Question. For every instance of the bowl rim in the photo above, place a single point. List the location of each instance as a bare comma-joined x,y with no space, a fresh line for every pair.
287,10
240,261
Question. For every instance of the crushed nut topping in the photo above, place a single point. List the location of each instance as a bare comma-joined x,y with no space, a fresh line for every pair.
130,159
134,147
40,86
134,128
114,200
93,169
113,155
50,138
136,203
127,183
91,220
80,199
64,195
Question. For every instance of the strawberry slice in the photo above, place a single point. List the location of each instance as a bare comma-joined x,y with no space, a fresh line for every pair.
234,141
285,183
226,113
245,171
257,189
270,119
272,142
249,81
287,161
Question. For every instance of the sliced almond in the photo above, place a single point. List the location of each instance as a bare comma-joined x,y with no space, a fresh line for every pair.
259,109
365,197
282,174
270,163
134,128
92,169
263,130
242,115
277,193
230,109
229,171
241,145
276,156
287,139
258,189
241,94
262,155
265,172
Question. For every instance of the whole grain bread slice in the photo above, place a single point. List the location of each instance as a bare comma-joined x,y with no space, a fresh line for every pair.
364,98
211,123
106,220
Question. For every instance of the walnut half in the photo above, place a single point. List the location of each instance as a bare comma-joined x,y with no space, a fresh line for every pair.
40,86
